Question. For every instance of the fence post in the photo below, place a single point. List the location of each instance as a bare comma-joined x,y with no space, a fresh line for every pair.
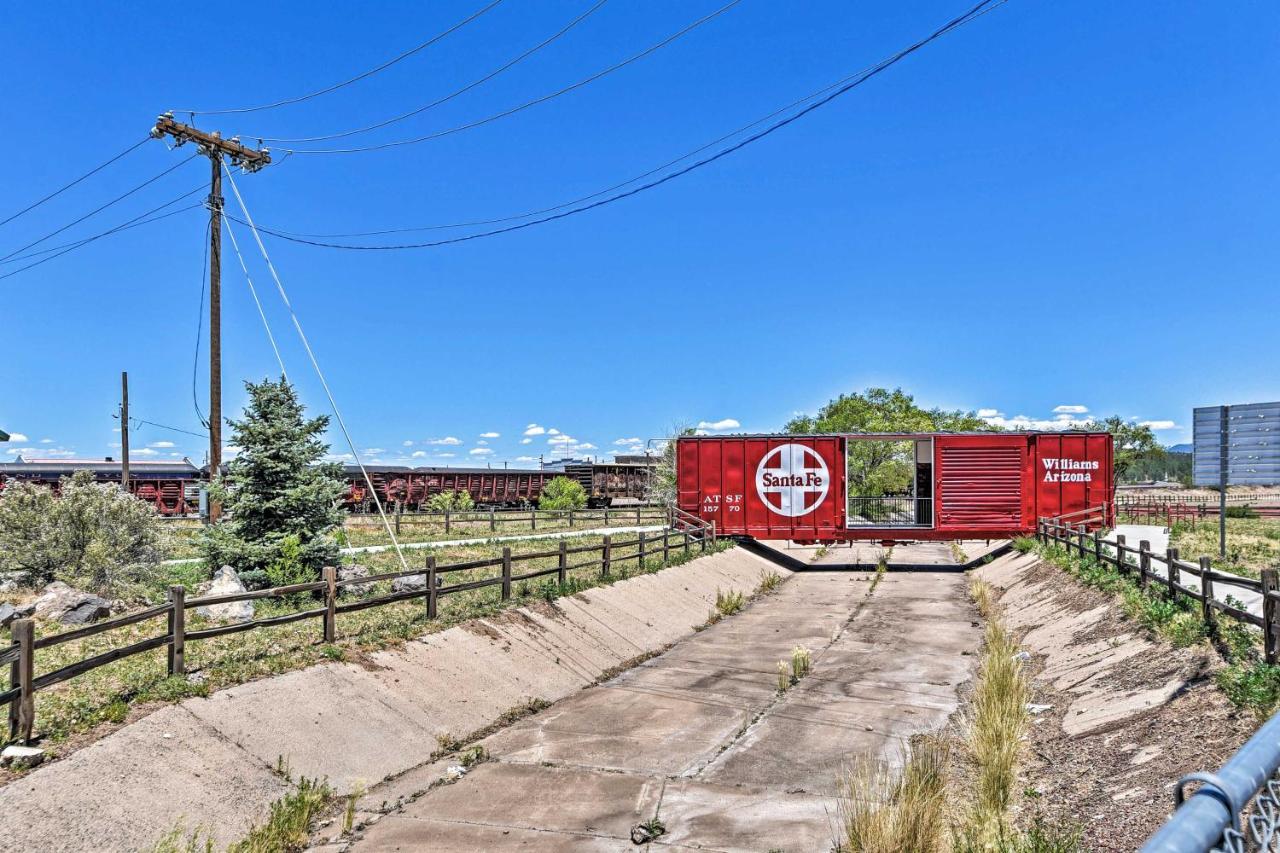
1097,547
533,519
571,518
713,533
640,554
666,547
563,574
702,540
606,516
1270,585
433,593
330,574
15,680
1173,573
606,554
399,513
506,573
446,521
1206,592
685,533
1080,535
1120,562
1144,561
23,632
493,522
637,516
177,629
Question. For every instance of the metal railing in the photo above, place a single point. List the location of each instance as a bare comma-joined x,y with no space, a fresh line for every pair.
900,511
1234,810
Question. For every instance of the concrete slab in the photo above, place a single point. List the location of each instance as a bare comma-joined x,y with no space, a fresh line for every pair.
167,767
703,815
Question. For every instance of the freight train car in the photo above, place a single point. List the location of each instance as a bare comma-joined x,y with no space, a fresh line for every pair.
413,487
612,484
830,488
173,488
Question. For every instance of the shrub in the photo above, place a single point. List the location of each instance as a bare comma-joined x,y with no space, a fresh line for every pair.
1024,545
562,493
450,502
1244,511
729,603
91,535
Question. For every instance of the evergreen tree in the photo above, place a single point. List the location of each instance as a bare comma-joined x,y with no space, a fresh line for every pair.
282,501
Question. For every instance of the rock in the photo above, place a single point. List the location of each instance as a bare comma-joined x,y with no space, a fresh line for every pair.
352,572
69,605
1033,708
227,582
13,581
411,583
21,757
7,614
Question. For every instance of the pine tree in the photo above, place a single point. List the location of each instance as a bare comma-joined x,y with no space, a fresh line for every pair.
282,501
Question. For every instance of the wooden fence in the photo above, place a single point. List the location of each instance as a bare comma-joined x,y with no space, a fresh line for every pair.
682,534
1170,512
493,519
1138,561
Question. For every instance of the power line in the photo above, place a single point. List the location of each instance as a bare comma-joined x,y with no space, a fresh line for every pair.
971,15
63,189
170,428
333,403
527,104
99,209
336,86
130,224
254,291
486,78
75,244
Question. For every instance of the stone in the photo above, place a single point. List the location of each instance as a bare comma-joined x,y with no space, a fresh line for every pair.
13,581
7,614
411,583
352,572
69,605
21,757
227,582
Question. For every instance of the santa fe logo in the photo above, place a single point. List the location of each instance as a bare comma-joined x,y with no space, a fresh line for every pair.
792,479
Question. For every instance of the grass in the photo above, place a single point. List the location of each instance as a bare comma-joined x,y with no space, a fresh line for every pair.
288,826
791,671
1253,544
729,603
106,694
769,581
1246,679
883,809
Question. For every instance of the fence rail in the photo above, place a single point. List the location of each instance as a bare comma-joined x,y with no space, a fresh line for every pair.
494,519
1170,512
681,531
1236,809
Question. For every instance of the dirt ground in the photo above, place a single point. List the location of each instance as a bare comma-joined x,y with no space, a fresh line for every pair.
1129,714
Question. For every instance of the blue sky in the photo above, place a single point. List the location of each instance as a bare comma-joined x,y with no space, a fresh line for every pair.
1060,205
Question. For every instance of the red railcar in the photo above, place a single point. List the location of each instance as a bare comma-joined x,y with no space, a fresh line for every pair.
173,488
414,486
948,485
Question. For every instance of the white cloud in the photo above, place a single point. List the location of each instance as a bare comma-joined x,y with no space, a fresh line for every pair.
46,441
990,413
1070,410
621,442
560,440
526,459
1159,424
145,451
162,444
374,451
482,442
446,455
448,440
525,440
1023,422
553,432
419,454
490,435
701,432
726,423
339,457
18,437
534,429
586,446
480,451
406,443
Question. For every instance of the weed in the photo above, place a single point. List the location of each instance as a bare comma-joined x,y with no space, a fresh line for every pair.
1024,544
801,662
282,768
179,840
289,823
769,581
882,566
332,653
784,676
473,755
958,554
882,810
349,813
1251,685
729,603
447,743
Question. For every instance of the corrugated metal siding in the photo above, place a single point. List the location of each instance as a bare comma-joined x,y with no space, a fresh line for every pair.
982,486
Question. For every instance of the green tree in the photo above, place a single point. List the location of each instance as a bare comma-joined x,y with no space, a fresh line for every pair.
562,493
450,502
1133,443
91,535
282,501
882,467
662,485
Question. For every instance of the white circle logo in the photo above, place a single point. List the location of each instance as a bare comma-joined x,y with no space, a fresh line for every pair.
787,482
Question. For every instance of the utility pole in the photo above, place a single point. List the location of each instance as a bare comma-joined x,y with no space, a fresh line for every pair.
213,146
124,431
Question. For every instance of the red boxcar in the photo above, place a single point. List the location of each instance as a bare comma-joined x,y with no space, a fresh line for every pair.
951,485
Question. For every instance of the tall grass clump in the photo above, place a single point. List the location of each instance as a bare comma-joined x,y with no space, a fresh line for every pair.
997,724
883,809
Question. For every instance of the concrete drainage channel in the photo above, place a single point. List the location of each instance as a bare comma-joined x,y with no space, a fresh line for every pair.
697,746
